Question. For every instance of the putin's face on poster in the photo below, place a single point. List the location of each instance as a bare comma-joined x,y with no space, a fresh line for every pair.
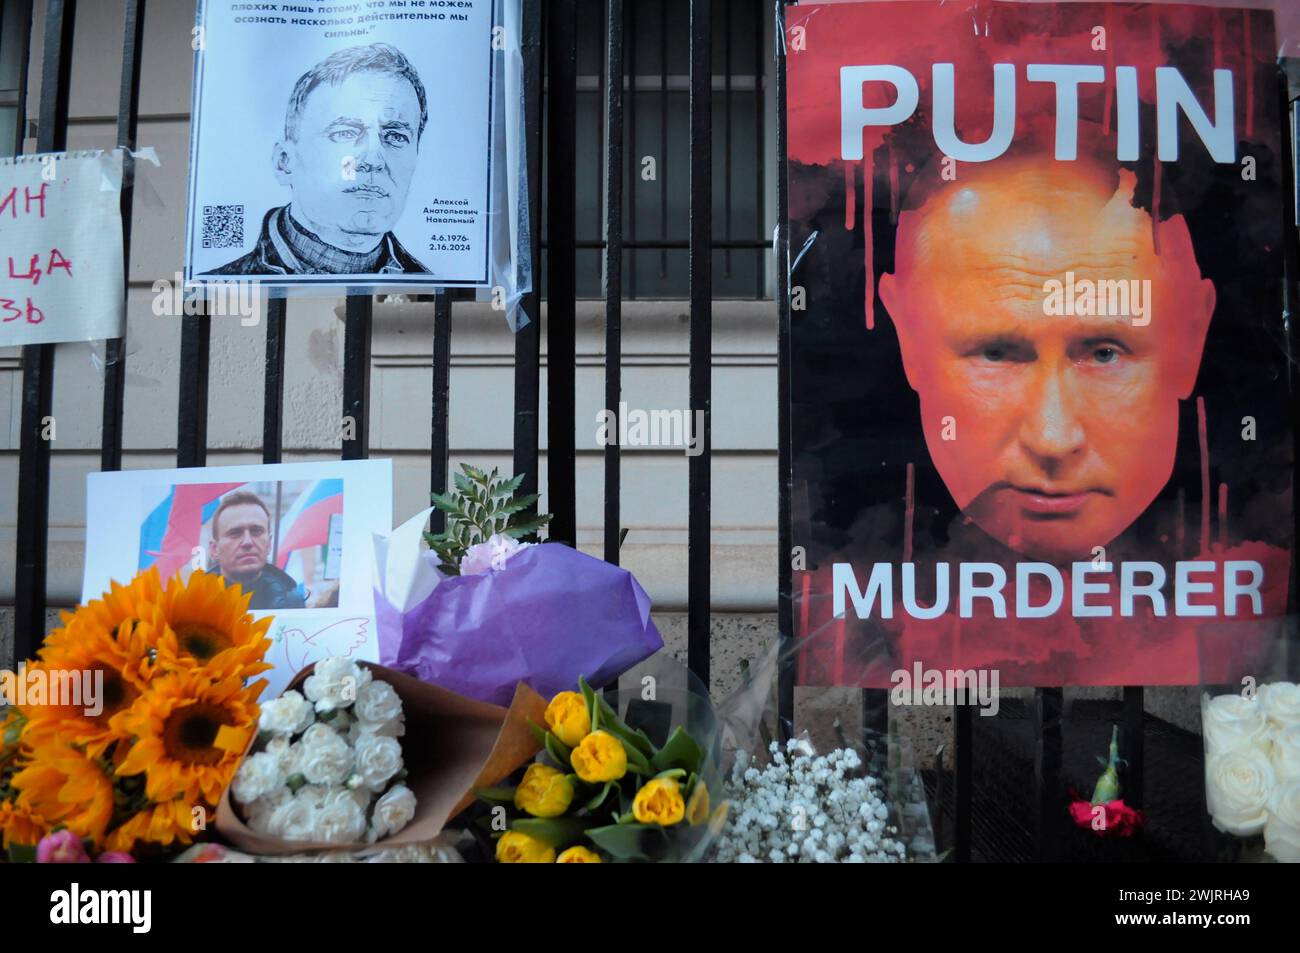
1053,429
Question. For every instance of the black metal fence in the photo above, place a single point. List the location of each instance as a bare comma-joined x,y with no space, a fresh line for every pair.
550,58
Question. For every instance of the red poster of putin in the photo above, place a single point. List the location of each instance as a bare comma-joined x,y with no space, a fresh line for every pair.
1041,401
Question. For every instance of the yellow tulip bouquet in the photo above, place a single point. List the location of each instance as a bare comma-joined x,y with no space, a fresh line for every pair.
605,792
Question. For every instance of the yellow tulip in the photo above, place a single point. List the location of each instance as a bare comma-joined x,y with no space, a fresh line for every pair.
697,811
567,718
544,792
599,757
517,848
578,855
659,802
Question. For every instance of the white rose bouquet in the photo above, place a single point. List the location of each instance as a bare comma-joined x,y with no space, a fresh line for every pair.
327,766
1252,765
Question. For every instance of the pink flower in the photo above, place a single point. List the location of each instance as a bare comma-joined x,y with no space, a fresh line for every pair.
492,554
61,847
115,857
1120,819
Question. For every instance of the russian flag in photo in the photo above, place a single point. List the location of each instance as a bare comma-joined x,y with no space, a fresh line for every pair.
308,521
174,527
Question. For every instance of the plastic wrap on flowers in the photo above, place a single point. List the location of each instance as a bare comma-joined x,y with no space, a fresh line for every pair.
625,776
1250,724
549,615
861,801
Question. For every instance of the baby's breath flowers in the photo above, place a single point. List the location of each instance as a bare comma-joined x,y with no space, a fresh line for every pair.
804,808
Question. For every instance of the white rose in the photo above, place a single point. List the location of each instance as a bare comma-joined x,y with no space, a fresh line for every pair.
1237,786
259,775
259,812
393,812
285,753
294,819
377,703
319,733
334,683
290,714
378,758
1281,701
1231,722
338,721
394,728
326,760
340,820
1282,832
1284,753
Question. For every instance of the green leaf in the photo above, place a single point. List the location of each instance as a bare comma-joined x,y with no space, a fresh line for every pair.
629,841
538,732
512,485
679,751
600,797
557,750
674,773
496,795
558,832
22,853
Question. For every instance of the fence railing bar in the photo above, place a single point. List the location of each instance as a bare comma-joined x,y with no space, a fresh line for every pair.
439,437
663,166
561,274
1048,794
701,339
528,338
128,121
963,723
273,390
1133,745
192,395
632,156
358,319
784,529
727,100
760,159
613,269
38,365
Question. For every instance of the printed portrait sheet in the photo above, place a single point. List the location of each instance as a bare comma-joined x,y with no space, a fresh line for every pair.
1041,419
342,142
298,536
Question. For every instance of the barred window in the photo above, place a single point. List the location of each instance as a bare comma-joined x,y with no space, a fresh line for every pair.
15,27
656,148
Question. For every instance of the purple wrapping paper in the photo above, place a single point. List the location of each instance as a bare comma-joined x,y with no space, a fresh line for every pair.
553,613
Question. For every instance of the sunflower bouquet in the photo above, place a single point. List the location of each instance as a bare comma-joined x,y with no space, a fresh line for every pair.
605,791
141,769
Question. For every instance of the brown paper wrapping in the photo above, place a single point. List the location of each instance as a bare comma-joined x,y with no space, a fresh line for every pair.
452,745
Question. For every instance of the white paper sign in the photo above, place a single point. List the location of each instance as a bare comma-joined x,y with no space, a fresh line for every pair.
342,142
60,247
274,529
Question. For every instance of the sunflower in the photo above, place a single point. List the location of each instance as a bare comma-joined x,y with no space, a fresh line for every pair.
19,824
118,663
202,622
171,821
190,732
120,604
66,786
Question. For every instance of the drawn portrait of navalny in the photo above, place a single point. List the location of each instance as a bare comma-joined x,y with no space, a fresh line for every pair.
351,140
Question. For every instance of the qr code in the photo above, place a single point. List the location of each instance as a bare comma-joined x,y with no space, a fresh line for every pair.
223,226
